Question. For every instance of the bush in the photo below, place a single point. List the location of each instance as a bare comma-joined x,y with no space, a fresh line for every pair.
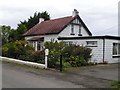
18,50
54,53
73,54
38,57
116,84
23,51
76,55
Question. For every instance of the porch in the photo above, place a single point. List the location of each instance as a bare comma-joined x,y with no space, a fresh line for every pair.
37,43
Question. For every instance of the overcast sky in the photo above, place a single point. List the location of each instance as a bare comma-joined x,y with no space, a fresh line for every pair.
100,16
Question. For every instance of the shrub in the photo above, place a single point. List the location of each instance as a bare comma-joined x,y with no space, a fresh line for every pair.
23,51
73,54
38,57
116,84
54,53
78,54
18,49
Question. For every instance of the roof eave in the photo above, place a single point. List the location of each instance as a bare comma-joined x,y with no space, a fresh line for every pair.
40,34
90,37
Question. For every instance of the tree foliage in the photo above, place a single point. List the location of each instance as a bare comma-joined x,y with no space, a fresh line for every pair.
10,35
5,34
20,31
35,19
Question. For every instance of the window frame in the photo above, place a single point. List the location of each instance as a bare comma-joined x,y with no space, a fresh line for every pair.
92,45
72,30
116,49
79,33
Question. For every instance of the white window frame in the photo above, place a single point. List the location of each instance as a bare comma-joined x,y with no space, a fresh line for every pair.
116,49
68,42
91,43
33,44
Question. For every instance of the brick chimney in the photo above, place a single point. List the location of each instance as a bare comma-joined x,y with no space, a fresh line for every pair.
75,13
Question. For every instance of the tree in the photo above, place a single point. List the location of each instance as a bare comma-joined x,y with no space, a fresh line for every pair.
10,35
20,31
35,19
5,32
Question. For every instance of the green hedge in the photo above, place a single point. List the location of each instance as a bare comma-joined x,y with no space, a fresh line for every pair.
22,50
75,55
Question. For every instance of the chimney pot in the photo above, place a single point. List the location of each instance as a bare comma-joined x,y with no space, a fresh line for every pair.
75,13
41,20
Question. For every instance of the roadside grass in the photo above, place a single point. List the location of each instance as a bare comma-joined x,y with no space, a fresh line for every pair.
115,84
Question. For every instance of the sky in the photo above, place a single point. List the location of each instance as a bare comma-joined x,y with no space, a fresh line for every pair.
100,16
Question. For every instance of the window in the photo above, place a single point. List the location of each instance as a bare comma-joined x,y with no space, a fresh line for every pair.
38,45
72,29
116,49
77,21
91,43
34,44
79,34
68,42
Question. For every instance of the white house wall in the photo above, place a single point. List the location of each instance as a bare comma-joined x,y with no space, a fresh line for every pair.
97,52
46,37
67,31
109,51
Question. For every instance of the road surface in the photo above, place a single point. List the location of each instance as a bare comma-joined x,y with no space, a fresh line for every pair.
14,76
99,76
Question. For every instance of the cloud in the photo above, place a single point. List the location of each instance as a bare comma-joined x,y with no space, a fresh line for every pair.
98,15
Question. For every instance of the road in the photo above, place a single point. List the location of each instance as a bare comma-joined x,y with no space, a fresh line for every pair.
15,76
99,76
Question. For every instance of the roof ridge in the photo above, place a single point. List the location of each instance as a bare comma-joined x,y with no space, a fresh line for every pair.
57,18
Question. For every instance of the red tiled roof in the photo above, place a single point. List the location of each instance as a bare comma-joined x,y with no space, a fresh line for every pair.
49,27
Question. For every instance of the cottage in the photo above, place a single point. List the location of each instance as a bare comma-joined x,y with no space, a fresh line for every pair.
72,29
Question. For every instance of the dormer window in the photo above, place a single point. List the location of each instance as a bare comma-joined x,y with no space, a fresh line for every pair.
72,30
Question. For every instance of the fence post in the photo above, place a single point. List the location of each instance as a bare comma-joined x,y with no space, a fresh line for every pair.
46,57
60,63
